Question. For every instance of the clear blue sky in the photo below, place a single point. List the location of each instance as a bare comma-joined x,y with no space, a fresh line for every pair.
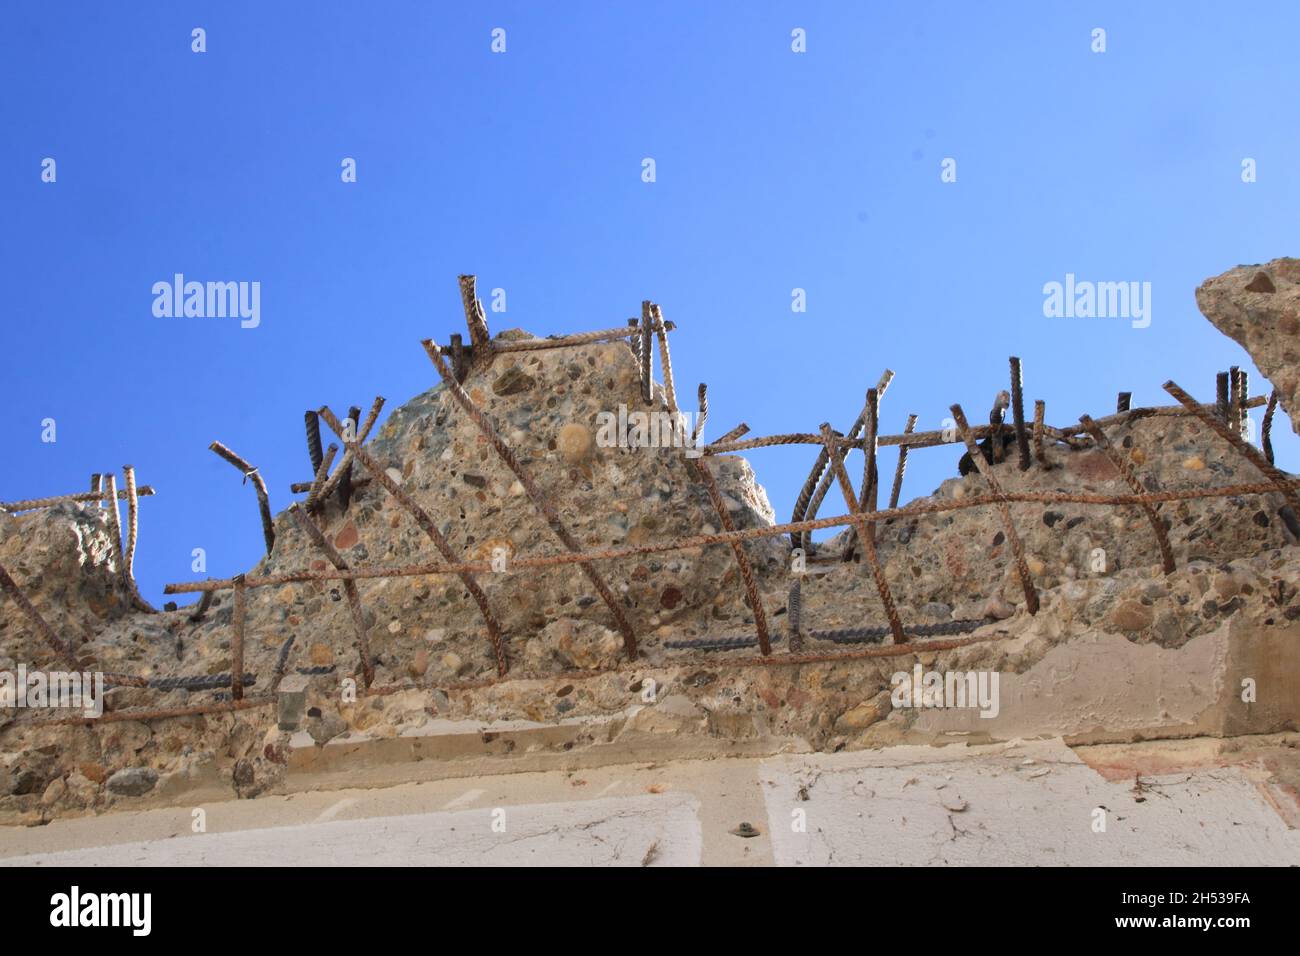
775,170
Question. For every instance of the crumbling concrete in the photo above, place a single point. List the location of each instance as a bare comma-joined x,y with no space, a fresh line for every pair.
1118,650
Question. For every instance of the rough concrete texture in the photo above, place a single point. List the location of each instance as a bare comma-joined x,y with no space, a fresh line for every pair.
1117,652
1259,308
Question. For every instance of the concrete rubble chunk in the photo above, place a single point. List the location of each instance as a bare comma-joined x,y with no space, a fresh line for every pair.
1258,307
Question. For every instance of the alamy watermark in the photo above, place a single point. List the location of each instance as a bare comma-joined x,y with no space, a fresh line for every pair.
642,429
1084,299
83,691
959,689
209,300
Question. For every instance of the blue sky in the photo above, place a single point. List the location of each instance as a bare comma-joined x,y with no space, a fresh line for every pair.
775,171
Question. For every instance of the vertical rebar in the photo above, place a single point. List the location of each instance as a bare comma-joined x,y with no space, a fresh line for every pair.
1018,412
1266,429
479,337
1241,398
458,357
997,415
132,537
1234,413
344,489
703,416
237,641
634,343
96,488
794,611
665,360
1017,549
1040,410
902,464
1262,464
647,379
1222,385
1123,402
312,422
114,521
318,482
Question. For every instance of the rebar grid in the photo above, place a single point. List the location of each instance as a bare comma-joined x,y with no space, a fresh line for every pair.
916,509
534,494
866,530
1229,426
428,526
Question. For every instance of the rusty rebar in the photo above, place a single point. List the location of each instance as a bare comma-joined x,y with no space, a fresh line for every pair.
97,487
665,359
867,497
312,422
866,534
317,485
794,611
732,435
562,341
819,479
997,415
1018,412
1240,393
428,526
349,589
458,365
42,626
701,469
1280,479
362,432
114,519
250,473
897,489
344,488
201,608
703,415
33,504
237,641
911,510
1040,408
1266,428
647,377
475,319
1222,394
132,538
1124,465
1234,376
533,492
1017,549
935,438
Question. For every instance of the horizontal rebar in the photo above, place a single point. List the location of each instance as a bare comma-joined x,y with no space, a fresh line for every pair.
31,504
747,534
932,438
